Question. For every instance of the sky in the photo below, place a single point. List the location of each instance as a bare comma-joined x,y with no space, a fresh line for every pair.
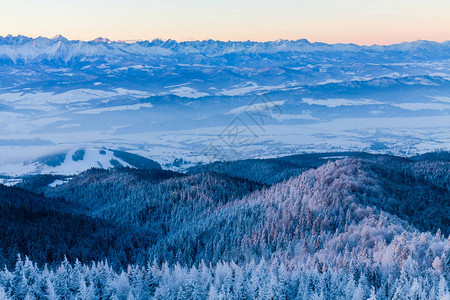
333,21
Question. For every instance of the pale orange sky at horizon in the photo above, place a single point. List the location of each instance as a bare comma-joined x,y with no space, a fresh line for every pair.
363,22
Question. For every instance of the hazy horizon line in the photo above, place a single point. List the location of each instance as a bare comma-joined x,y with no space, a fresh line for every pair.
131,41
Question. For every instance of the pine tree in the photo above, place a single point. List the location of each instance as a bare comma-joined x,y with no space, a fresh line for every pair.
373,295
122,286
358,294
3,294
443,289
51,292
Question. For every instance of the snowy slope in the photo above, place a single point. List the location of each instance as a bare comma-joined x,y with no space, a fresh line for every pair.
78,160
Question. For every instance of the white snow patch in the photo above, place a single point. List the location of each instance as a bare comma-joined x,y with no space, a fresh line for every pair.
91,159
247,88
72,96
255,107
306,115
10,181
330,81
376,112
188,92
136,67
176,85
441,98
116,108
422,106
340,102
57,182
68,126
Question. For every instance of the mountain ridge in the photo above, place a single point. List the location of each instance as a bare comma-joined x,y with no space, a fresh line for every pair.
104,40
26,50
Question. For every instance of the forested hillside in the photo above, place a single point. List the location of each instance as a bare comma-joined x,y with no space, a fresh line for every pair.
322,226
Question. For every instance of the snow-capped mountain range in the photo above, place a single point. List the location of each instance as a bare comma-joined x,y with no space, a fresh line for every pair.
59,50
177,101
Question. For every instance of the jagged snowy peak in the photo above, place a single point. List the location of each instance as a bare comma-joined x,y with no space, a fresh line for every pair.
22,49
29,50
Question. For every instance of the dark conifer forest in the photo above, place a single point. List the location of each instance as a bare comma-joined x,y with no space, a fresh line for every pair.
311,226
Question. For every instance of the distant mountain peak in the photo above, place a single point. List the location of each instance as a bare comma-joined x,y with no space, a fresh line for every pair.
101,40
59,37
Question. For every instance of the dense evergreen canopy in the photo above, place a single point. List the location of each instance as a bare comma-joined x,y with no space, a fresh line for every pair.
311,227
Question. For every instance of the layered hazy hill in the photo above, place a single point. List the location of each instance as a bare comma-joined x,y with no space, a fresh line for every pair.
170,101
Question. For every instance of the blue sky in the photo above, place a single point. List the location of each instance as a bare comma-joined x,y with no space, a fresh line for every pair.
357,21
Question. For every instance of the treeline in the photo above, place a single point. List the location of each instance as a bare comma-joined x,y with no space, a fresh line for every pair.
263,280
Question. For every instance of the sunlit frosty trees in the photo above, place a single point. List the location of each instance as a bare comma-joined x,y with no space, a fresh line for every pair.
263,280
350,229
